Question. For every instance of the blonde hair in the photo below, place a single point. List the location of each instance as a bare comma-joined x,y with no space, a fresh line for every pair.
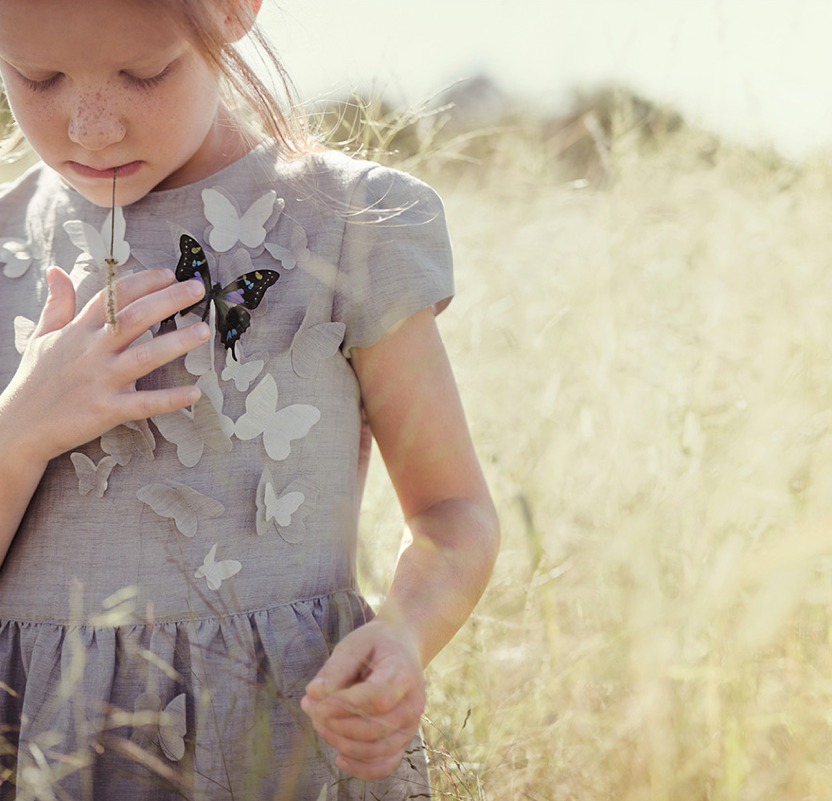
281,119
262,112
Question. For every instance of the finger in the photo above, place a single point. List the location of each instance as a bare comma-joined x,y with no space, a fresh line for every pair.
138,316
393,745
150,403
382,691
136,285
59,308
371,728
127,290
145,357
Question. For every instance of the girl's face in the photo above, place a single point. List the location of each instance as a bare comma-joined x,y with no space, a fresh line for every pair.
98,84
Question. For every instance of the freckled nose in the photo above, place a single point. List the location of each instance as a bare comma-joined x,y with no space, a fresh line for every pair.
93,124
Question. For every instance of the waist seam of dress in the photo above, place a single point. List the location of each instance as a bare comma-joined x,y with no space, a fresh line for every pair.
178,621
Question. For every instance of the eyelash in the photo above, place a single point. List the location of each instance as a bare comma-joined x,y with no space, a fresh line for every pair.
139,83
149,83
40,86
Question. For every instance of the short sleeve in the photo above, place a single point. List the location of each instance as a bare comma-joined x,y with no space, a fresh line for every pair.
395,256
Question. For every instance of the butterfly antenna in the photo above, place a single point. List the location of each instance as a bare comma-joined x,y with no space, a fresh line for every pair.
112,262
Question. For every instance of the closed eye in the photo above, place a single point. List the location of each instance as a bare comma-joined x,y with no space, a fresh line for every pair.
42,85
148,83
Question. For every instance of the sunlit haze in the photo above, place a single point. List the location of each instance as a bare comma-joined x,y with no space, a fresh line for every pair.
754,69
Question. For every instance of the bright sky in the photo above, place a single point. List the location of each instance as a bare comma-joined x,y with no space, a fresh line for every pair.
756,69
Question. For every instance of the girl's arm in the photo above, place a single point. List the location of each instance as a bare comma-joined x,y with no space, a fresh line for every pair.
76,378
367,700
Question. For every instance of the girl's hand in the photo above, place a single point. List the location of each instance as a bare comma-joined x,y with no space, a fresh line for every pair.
368,698
77,376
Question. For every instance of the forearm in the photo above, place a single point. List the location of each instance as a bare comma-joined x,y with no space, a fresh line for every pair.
19,478
442,572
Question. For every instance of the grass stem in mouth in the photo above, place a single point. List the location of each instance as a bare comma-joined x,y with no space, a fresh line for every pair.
112,262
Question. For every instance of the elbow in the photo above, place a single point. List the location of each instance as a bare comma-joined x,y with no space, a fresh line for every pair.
485,526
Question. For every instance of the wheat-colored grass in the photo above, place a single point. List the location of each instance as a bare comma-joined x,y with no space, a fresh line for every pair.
646,362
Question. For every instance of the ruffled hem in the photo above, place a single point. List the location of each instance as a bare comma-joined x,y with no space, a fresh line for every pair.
198,709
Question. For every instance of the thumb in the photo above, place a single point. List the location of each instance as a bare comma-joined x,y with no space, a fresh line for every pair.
60,302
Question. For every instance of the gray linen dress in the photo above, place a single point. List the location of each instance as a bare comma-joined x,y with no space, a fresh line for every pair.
175,583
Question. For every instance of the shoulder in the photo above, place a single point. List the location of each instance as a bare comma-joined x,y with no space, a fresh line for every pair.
357,186
24,186
27,202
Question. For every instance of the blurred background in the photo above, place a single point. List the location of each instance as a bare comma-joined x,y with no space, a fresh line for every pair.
755,69
639,194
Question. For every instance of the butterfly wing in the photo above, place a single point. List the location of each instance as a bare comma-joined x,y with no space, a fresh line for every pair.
178,427
280,509
287,424
182,504
242,373
173,728
123,441
16,256
215,572
23,330
252,223
261,403
92,476
193,264
168,502
224,217
232,325
248,289
313,344
234,301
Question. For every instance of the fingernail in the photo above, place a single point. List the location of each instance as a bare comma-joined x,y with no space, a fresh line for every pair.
202,330
196,289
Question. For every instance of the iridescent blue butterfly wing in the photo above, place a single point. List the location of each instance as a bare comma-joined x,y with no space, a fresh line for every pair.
234,301
193,264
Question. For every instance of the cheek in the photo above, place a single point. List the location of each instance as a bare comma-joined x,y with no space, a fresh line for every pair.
38,118
178,116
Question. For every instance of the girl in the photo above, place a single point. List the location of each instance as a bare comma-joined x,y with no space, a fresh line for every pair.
181,461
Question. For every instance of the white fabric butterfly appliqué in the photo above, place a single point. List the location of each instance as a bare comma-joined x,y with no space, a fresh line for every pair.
191,430
92,476
127,439
215,572
284,511
181,503
166,727
228,225
313,343
90,269
96,243
23,330
296,254
241,371
16,254
278,426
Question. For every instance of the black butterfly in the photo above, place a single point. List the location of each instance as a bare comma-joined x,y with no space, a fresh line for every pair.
231,302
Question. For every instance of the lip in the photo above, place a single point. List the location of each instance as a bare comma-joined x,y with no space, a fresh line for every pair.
122,170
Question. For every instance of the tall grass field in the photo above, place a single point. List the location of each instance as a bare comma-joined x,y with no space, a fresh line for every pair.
642,337
643,341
